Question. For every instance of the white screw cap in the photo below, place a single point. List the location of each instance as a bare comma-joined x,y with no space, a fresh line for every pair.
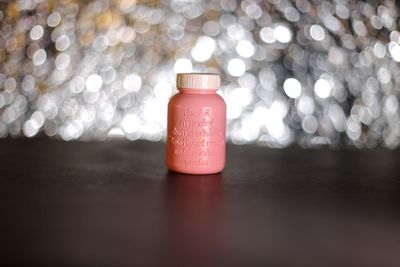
202,81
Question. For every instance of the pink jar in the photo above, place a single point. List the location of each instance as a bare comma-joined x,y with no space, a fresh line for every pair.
196,125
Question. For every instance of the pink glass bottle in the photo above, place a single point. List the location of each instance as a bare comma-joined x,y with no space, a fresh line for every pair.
196,125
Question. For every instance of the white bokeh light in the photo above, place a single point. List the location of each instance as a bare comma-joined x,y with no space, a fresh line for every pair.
115,133
292,87
275,125
130,123
38,118
94,83
379,49
310,124
36,32
283,34
29,128
394,50
322,88
353,128
54,19
306,105
236,100
71,130
236,67
62,61
250,129
203,49
77,84
280,108
162,90
245,48
132,82
32,126
39,57
183,65
62,43
267,35
317,32
272,119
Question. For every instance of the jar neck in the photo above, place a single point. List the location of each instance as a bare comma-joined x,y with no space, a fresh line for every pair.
197,91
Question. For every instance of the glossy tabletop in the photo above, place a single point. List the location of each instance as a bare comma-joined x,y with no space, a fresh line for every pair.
113,203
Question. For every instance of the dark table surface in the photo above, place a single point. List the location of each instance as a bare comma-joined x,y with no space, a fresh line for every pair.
114,204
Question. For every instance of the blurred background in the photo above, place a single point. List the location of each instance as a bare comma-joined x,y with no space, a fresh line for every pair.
305,72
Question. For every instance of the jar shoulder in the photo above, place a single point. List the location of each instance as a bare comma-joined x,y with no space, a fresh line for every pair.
197,100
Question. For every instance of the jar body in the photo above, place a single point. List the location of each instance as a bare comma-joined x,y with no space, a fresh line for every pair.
196,141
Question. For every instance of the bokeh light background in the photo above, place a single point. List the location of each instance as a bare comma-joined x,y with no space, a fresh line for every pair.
306,72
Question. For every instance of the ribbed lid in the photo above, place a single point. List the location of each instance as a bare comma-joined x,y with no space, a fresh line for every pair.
198,81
